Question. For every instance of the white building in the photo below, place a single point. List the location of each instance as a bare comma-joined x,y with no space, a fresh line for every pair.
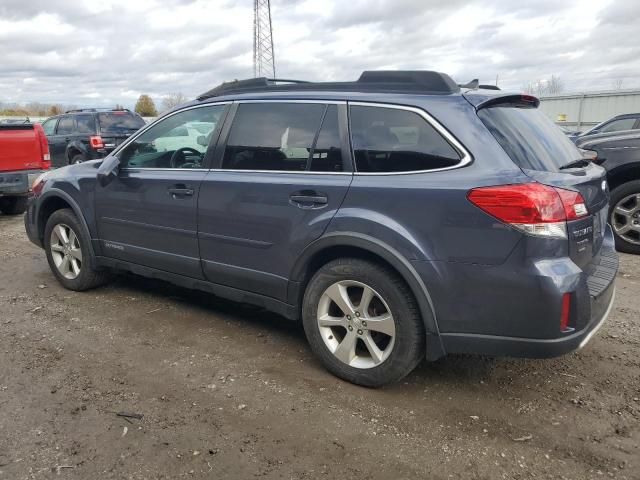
579,111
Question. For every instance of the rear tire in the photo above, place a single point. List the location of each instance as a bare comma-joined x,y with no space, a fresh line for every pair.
77,158
68,250
624,217
380,308
13,205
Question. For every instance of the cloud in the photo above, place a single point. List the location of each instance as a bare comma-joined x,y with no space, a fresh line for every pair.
108,52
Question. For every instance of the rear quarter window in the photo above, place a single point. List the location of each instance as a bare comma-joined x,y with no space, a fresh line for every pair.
397,140
529,137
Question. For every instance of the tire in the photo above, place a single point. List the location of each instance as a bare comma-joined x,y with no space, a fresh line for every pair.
77,158
77,253
13,205
627,197
400,348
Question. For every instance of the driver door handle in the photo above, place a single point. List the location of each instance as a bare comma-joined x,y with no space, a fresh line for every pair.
180,191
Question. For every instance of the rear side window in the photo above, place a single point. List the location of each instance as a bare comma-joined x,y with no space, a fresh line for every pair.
531,140
66,126
619,125
85,124
49,126
273,136
395,140
119,122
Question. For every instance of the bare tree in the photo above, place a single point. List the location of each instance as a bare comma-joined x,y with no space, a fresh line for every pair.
173,100
617,84
545,86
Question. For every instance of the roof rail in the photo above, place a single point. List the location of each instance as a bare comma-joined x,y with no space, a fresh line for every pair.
98,109
384,81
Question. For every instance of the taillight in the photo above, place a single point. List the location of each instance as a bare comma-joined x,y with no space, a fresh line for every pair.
44,146
96,141
532,208
565,313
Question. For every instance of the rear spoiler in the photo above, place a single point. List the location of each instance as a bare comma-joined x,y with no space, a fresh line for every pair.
520,100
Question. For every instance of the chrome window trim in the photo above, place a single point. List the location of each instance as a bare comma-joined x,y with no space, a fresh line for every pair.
297,100
129,169
464,161
119,148
279,171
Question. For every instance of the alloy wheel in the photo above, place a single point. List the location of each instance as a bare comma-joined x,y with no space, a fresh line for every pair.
625,218
356,324
66,251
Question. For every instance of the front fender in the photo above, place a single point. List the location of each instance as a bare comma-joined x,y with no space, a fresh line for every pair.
390,255
55,193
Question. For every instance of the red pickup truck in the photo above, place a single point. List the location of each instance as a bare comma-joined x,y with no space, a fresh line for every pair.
24,154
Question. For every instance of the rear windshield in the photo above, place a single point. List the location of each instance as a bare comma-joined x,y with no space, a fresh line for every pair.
119,122
529,137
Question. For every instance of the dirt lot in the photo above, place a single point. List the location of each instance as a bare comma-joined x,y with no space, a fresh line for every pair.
231,392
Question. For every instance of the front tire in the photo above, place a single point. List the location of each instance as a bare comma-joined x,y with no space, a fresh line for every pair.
362,322
69,254
13,205
624,217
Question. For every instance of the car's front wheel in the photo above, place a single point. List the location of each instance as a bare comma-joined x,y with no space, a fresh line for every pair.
68,253
362,322
625,216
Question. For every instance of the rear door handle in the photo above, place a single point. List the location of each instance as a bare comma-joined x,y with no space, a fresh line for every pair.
180,191
308,201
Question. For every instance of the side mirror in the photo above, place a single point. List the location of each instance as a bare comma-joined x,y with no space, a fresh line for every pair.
108,170
203,140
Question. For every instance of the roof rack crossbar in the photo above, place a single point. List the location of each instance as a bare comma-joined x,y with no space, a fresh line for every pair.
97,109
402,81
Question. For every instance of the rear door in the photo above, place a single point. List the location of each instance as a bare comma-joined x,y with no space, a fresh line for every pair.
281,175
546,155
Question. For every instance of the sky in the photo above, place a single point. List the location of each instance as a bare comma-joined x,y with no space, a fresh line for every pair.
103,52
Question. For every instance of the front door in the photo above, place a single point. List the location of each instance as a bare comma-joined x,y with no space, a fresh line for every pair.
147,215
59,140
281,179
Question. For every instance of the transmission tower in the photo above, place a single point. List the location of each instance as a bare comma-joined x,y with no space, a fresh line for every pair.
264,59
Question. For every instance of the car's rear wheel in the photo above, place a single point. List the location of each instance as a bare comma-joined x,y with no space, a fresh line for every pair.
625,216
13,205
77,158
68,253
362,321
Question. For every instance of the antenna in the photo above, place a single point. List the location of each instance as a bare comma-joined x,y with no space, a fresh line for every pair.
264,59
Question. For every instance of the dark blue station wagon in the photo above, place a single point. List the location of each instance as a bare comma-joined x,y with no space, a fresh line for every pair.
398,217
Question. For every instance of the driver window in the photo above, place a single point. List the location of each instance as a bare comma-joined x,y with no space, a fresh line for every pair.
178,141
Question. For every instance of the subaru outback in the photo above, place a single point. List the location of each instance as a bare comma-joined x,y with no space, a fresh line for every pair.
398,217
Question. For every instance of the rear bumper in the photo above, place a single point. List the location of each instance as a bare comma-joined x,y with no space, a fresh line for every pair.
514,309
493,345
17,183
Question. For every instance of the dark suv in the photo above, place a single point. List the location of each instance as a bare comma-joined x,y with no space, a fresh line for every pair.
88,133
398,216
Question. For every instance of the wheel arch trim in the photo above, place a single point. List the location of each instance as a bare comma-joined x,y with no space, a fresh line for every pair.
300,275
60,194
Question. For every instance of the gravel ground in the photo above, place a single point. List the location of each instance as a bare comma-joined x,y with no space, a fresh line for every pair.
228,391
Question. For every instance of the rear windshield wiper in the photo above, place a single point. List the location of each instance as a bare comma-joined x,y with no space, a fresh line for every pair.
581,162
